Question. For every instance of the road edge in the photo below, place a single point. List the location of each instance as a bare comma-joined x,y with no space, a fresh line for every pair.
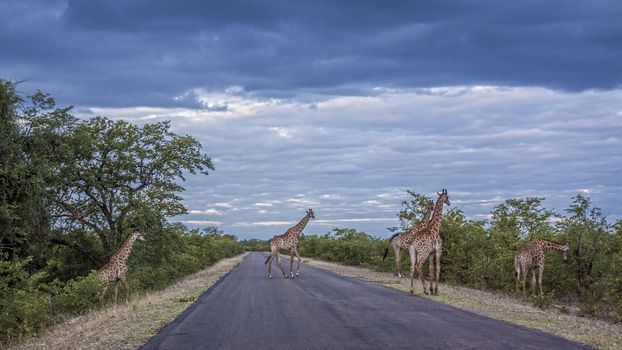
155,341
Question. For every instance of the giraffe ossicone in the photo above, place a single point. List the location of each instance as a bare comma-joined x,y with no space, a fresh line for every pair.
115,269
288,240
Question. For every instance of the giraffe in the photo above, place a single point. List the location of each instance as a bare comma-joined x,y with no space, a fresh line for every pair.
114,270
288,240
427,242
398,240
531,257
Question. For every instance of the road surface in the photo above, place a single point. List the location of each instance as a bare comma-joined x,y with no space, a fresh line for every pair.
322,310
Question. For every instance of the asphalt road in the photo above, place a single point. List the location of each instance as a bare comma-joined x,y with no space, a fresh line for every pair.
322,310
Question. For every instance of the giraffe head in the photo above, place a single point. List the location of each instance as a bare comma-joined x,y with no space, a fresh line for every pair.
565,248
310,213
445,196
137,236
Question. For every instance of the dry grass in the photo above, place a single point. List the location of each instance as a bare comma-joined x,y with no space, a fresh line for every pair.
130,326
589,331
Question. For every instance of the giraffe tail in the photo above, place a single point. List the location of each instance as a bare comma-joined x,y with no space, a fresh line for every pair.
386,251
266,263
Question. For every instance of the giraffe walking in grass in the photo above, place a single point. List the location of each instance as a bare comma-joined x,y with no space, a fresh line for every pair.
426,243
288,240
115,269
399,241
531,258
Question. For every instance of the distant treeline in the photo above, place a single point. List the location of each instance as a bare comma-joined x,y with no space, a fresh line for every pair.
71,192
480,254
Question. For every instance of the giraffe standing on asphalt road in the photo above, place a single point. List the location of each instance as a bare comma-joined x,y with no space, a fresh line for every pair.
288,240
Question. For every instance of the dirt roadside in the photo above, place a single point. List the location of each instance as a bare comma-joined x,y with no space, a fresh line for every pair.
128,326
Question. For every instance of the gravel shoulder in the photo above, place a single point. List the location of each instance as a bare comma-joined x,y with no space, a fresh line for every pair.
500,306
128,326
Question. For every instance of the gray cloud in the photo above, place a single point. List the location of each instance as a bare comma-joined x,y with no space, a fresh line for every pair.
352,165
342,106
129,53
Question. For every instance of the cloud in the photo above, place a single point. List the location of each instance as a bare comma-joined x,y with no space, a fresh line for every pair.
343,106
201,223
484,144
206,212
162,54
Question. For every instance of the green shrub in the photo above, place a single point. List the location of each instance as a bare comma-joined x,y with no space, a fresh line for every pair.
23,309
77,296
543,301
24,313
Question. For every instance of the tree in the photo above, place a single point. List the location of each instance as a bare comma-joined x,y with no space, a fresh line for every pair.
124,177
586,232
524,217
413,210
32,144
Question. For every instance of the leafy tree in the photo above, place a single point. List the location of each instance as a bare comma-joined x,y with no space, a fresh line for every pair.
525,218
32,144
125,176
465,251
413,210
586,231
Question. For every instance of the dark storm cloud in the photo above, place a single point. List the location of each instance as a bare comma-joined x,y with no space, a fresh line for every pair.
123,53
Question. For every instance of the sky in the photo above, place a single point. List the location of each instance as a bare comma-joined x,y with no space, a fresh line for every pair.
342,106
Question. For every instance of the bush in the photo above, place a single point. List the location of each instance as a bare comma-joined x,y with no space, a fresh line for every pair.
78,296
23,309
28,303
543,301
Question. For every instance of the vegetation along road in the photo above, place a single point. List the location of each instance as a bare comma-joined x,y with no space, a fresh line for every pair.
322,310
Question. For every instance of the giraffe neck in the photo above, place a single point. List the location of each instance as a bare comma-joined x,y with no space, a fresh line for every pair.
548,245
300,226
427,216
125,250
435,220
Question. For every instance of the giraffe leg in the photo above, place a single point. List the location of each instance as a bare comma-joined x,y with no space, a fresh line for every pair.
413,261
398,261
540,271
438,271
103,293
269,262
127,290
116,291
291,262
431,273
398,256
517,268
278,261
525,276
421,276
297,267
533,281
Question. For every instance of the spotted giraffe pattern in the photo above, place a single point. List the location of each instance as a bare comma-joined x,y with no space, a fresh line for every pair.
115,269
425,242
288,240
531,258
399,241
